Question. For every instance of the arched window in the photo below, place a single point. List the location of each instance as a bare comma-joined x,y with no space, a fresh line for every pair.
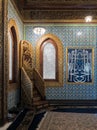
49,60
12,54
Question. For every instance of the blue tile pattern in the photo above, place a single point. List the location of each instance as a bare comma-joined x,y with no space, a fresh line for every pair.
12,14
13,98
70,35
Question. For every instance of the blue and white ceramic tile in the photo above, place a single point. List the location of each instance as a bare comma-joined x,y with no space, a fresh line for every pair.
70,35
13,96
12,14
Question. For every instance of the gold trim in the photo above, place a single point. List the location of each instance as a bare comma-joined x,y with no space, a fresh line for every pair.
77,47
59,21
60,59
12,23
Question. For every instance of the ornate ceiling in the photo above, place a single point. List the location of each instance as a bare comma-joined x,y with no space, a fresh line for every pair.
56,9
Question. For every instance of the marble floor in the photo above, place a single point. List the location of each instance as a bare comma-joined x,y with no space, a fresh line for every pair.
5,126
68,121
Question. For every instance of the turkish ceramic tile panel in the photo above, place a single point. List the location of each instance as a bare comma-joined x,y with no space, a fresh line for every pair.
13,98
12,14
75,35
31,37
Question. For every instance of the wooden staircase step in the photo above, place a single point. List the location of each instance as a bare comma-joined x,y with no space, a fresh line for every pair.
41,107
35,94
40,103
35,89
36,99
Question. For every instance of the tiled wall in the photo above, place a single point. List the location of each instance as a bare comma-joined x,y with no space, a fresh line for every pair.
12,14
13,98
68,34
13,95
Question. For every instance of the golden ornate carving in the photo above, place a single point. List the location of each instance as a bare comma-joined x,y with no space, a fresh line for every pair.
26,56
60,59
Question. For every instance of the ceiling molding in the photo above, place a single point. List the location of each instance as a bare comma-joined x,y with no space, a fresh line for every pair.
79,21
68,10
16,8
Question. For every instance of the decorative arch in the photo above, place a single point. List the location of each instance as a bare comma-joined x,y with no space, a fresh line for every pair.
59,81
12,23
12,27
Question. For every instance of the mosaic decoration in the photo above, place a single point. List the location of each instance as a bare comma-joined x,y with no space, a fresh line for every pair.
75,35
79,65
14,20
12,14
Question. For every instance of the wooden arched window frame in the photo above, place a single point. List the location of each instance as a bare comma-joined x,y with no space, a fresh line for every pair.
49,60
58,81
12,55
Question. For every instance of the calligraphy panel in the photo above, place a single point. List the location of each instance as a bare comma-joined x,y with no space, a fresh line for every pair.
79,65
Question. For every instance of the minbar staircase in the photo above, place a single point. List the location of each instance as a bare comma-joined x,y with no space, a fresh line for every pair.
38,102
33,90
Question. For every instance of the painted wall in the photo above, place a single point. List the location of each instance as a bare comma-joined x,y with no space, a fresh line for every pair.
13,95
68,34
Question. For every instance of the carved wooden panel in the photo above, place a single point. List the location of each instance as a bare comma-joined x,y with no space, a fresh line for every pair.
57,10
26,60
62,1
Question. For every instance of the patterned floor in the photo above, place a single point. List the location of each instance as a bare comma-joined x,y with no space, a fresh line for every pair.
68,121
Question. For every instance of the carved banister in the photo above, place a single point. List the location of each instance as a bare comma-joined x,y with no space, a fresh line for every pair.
39,82
26,87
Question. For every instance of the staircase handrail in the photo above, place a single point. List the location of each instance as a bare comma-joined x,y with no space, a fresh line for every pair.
39,82
26,85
